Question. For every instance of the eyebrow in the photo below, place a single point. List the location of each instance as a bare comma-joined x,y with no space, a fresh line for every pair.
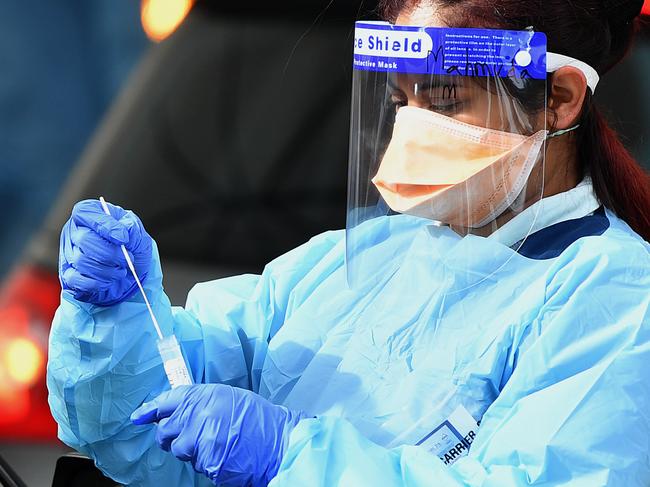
432,83
438,83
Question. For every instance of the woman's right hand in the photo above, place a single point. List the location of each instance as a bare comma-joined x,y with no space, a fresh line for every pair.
91,264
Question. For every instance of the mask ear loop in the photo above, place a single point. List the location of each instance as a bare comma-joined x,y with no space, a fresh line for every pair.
562,132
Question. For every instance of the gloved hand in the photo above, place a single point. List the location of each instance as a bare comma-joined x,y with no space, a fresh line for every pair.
91,263
233,436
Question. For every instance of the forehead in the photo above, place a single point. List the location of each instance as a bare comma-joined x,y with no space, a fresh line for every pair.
425,14
422,80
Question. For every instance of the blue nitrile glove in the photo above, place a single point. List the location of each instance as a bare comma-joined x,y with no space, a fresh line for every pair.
91,264
233,436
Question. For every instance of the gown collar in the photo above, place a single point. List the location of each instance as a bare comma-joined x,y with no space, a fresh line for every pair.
573,204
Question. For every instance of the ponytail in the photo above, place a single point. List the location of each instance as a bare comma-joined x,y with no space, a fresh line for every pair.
620,183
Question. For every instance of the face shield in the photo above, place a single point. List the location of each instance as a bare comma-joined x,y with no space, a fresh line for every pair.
448,129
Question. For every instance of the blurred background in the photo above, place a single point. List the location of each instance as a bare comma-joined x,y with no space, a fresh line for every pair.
225,127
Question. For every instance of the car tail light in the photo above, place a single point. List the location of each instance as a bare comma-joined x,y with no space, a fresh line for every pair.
28,300
23,360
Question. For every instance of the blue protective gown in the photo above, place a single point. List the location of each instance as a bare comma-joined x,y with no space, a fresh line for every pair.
548,347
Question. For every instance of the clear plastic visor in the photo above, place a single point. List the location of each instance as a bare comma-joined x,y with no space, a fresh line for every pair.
448,128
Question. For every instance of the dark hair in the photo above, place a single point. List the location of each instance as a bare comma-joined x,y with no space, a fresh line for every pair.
598,32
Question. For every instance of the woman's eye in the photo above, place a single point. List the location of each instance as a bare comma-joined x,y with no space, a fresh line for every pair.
445,106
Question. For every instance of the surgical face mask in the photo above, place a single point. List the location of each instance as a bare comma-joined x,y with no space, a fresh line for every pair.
441,169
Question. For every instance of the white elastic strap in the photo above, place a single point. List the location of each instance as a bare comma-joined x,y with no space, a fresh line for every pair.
556,61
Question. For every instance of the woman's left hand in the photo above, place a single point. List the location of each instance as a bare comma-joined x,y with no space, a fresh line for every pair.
231,435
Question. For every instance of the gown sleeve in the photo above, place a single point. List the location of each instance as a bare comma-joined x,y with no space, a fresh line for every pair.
103,361
576,410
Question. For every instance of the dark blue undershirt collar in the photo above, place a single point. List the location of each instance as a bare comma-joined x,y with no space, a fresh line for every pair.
550,242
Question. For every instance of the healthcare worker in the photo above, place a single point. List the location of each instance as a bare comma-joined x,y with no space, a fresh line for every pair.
483,320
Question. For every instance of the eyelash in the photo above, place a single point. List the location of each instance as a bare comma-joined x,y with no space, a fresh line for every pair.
448,107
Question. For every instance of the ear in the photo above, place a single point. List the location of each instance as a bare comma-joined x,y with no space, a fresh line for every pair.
568,91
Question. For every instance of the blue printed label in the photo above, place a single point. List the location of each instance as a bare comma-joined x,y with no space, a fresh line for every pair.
453,439
447,51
